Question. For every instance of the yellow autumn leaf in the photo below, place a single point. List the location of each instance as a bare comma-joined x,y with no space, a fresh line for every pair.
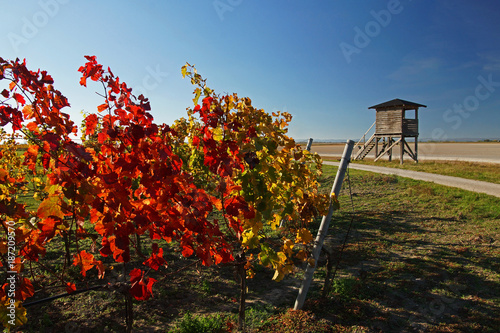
302,255
12,319
287,247
276,222
304,236
278,275
250,240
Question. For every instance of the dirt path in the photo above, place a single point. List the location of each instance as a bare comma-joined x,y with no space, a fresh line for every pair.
488,152
466,184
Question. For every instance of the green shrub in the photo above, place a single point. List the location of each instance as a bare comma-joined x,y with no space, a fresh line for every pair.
201,324
345,288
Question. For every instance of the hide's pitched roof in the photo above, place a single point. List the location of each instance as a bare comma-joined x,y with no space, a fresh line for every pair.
397,102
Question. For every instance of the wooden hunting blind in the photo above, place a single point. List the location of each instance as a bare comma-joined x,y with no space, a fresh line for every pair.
395,121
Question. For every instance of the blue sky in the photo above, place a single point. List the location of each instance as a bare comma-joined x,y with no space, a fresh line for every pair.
325,62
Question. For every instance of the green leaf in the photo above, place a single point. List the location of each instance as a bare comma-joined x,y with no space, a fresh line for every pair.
267,255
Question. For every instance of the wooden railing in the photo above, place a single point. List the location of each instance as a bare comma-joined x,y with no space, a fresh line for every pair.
364,136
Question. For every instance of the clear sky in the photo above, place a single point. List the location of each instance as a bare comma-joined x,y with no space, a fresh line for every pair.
325,62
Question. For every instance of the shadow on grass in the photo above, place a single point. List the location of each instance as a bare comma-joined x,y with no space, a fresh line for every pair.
408,267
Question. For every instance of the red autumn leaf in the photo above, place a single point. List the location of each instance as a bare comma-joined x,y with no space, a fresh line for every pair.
137,132
17,265
4,174
48,226
52,139
16,119
91,122
91,69
141,289
78,151
135,275
32,252
101,137
121,255
110,178
46,78
196,141
149,286
19,98
100,268
156,260
25,290
105,250
46,161
236,205
83,79
70,287
5,93
187,251
85,260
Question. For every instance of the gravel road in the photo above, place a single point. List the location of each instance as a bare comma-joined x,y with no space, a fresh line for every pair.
466,184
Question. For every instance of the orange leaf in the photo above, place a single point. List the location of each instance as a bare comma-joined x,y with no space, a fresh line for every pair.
101,268
33,150
187,251
32,126
84,260
70,287
51,206
28,111
216,202
102,107
25,290
17,266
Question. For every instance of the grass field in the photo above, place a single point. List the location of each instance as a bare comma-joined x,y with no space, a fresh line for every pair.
487,172
419,257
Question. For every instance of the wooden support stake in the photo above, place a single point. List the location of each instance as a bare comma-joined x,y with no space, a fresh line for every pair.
416,149
309,144
390,149
402,149
323,228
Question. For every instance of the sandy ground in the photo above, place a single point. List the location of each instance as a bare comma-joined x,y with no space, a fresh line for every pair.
472,152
